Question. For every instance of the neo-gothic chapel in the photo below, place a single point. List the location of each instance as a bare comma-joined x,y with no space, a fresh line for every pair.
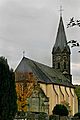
40,87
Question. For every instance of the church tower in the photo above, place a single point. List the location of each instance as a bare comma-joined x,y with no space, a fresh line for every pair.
61,52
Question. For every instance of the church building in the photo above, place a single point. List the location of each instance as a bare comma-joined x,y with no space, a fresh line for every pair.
40,87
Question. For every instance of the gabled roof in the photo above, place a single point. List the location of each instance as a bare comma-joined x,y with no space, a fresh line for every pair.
61,41
44,74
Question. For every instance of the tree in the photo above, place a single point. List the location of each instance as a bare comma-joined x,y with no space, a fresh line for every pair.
77,90
60,110
8,97
73,22
73,43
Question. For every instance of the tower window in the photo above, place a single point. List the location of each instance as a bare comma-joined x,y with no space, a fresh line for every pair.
58,65
64,65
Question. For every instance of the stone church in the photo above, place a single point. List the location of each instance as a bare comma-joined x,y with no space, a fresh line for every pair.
40,87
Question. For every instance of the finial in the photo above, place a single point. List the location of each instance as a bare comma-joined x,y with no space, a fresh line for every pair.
61,10
23,53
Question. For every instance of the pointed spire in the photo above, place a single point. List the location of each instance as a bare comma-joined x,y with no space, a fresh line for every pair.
61,41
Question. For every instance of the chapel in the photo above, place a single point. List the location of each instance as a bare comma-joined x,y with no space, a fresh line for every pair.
40,87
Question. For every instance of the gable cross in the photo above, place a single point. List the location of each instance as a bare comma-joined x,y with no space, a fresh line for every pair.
23,53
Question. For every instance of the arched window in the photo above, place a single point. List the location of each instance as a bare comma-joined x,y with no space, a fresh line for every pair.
58,65
64,65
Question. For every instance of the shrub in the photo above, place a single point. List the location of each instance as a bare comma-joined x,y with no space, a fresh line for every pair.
52,117
77,115
61,110
42,116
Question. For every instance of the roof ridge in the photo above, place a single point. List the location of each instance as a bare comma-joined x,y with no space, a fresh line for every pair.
37,62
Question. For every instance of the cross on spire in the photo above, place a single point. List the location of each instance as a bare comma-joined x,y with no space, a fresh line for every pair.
61,10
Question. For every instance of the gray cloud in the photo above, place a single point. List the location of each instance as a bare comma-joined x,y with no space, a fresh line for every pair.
31,25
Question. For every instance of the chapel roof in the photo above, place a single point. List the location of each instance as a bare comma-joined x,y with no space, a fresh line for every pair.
44,73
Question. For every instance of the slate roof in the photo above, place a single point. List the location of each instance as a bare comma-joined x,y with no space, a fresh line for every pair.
61,41
44,73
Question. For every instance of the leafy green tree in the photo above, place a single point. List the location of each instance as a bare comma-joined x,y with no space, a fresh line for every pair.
8,97
73,22
77,90
60,110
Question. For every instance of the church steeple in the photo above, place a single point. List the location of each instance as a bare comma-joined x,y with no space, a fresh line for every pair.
61,51
61,41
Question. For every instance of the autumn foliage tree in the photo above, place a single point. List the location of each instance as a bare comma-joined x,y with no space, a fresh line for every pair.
8,106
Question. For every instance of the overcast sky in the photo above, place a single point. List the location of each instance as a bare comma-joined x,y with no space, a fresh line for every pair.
31,26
